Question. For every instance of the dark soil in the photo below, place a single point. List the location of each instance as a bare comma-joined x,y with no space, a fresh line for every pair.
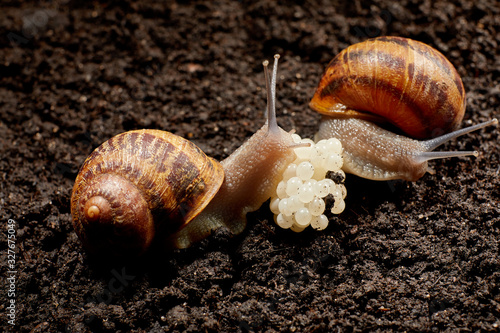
421,256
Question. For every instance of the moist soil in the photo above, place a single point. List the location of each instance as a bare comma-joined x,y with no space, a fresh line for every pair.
404,256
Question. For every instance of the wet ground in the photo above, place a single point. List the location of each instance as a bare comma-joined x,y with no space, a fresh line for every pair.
404,256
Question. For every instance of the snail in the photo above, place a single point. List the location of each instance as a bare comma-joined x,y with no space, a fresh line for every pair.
148,184
398,82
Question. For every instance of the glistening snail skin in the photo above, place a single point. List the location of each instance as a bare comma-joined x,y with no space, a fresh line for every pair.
251,175
375,153
390,80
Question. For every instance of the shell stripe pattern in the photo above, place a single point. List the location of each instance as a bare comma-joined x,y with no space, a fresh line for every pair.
175,177
400,79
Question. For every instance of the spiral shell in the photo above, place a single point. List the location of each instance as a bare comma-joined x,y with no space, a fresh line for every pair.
394,79
138,184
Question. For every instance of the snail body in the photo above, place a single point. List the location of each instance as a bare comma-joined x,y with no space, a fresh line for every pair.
392,82
375,153
145,185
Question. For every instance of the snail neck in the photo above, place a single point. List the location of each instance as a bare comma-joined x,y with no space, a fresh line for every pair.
372,152
251,175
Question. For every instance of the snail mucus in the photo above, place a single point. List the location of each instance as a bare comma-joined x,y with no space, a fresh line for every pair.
147,185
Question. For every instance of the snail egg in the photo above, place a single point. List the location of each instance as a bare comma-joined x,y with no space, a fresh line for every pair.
310,182
284,207
299,202
290,171
343,190
338,207
284,221
294,204
305,153
319,222
274,205
303,217
334,145
305,170
322,148
293,185
306,193
331,184
281,190
316,206
296,228
319,172
333,162
322,188
336,192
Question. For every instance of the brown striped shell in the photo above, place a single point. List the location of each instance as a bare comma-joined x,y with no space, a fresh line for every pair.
137,184
394,79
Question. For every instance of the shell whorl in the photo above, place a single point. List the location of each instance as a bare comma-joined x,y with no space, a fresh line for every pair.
405,82
137,184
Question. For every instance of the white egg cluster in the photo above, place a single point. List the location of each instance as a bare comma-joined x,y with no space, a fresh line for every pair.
299,200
